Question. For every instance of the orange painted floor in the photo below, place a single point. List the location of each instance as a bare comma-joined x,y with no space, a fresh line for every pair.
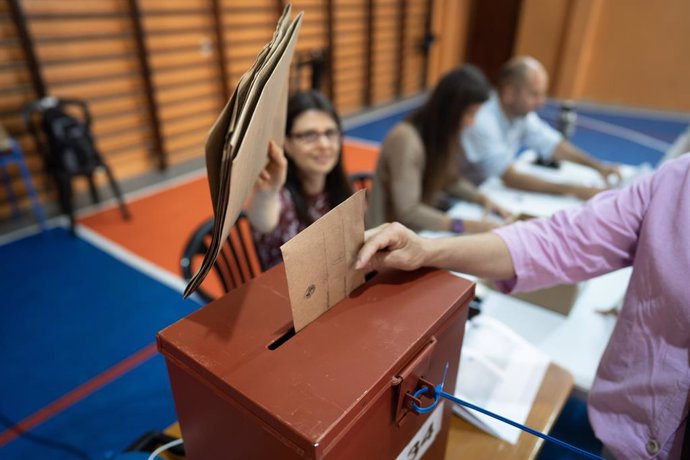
162,222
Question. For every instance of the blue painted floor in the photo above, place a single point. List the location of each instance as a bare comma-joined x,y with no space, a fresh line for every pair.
70,312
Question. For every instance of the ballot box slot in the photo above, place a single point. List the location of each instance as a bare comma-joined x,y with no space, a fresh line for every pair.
284,337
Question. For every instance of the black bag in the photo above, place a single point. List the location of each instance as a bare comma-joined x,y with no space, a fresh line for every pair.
71,147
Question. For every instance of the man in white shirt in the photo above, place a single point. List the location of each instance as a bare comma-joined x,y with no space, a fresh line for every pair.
507,121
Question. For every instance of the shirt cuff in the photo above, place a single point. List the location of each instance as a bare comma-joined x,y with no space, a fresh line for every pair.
521,264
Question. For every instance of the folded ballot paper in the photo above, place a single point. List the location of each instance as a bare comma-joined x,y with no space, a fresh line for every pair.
501,372
237,145
319,261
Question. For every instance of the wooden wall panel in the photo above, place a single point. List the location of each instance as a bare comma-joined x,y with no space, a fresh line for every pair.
625,52
62,27
449,24
53,8
85,51
640,56
550,20
385,50
89,49
116,125
195,50
413,70
246,28
313,37
182,54
15,89
349,54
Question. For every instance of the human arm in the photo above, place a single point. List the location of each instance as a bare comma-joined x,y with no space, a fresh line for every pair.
467,191
514,179
549,143
264,207
395,246
572,246
568,152
404,157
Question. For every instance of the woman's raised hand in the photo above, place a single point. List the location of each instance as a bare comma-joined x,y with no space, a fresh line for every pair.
272,177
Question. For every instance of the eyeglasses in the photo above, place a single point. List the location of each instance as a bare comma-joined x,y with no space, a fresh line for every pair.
312,136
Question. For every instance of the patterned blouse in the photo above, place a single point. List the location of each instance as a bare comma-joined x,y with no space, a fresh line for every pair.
289,225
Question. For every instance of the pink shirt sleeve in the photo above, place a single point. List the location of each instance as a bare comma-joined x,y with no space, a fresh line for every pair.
577,244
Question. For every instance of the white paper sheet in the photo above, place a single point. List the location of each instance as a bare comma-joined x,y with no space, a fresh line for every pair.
501,372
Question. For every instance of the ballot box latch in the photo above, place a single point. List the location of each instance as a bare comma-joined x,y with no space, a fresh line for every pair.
410,379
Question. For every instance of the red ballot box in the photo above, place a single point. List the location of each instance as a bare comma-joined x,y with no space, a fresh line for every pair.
246,388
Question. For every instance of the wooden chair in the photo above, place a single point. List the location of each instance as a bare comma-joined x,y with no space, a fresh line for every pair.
237,262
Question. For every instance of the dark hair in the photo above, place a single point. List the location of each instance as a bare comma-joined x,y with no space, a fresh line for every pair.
338,188
438,120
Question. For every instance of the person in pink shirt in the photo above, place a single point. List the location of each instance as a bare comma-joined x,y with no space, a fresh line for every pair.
638,404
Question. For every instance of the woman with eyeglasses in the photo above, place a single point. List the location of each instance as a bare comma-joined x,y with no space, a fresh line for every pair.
302,183
417,164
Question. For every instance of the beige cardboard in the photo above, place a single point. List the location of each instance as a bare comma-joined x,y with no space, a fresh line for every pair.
319,261
263,95
219,150
560,298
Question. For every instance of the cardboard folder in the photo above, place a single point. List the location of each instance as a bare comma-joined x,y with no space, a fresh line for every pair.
236,147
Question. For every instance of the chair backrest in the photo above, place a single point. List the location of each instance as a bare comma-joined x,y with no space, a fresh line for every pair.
361,180
236,264
61,129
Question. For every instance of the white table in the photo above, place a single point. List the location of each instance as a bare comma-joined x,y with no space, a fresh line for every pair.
575,342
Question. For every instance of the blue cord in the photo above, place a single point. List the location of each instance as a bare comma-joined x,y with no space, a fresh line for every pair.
439,393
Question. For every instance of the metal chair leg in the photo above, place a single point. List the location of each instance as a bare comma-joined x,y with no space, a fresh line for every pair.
64,184
93,190
116,191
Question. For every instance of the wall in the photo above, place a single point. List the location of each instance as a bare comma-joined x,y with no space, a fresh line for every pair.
153,105
642,56
449,26
625,52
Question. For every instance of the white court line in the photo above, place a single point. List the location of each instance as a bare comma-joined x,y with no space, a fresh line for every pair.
108,246
625,133
141,193
33,229
129,258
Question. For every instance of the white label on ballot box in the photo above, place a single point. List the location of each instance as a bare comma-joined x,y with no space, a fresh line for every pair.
425,437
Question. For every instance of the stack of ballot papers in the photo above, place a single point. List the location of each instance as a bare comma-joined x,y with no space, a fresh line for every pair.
500,372
237,144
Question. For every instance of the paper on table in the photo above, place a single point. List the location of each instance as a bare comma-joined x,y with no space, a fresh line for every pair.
319,261
254,115
501,372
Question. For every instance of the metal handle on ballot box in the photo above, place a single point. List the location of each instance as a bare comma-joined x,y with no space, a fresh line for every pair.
407,381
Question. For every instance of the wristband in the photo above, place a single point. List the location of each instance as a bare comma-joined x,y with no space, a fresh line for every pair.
457,226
